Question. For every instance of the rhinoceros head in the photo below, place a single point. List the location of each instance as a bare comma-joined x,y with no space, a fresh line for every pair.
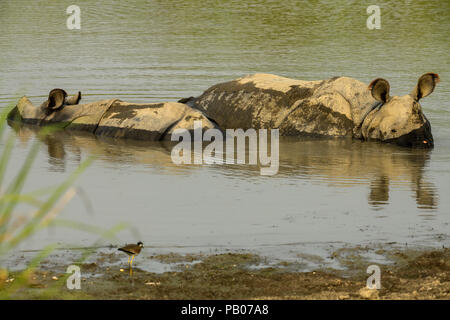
399,119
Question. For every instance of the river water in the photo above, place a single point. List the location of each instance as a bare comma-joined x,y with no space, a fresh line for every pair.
327,193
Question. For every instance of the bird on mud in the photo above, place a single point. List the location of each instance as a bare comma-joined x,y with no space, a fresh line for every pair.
132,250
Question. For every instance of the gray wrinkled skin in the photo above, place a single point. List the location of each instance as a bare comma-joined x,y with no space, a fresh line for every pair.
337,107
113,118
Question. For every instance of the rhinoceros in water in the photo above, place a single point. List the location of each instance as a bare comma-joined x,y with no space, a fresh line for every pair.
111,118
339,106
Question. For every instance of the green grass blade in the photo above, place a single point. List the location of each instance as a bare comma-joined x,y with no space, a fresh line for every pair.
6,155
24,198
47,206
3,116
15,187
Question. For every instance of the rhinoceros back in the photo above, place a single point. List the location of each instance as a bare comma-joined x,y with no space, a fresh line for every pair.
296,107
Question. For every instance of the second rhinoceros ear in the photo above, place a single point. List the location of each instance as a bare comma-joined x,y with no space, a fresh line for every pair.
425,85
56,99
380,89
74,99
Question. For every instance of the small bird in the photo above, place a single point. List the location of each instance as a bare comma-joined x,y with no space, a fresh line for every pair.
132,250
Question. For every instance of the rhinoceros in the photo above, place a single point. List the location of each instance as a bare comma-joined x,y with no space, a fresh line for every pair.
339,107
111,118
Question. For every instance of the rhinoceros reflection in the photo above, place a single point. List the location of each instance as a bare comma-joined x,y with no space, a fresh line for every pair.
56,152
336,162
344,162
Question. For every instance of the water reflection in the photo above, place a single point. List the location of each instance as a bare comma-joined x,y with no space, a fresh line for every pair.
334,162
379,191
56,153
345,162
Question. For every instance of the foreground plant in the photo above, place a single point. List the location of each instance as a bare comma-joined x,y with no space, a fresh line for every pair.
14,228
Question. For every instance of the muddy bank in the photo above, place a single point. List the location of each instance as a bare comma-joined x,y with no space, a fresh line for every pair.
411,274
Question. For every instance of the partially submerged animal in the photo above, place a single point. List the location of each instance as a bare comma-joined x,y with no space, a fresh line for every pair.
336,107
111,118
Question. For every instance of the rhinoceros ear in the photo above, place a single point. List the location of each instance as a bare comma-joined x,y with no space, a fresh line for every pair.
380,89
56,99
74,99
425,85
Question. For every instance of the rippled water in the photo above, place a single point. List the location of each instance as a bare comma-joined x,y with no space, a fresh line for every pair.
326,191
